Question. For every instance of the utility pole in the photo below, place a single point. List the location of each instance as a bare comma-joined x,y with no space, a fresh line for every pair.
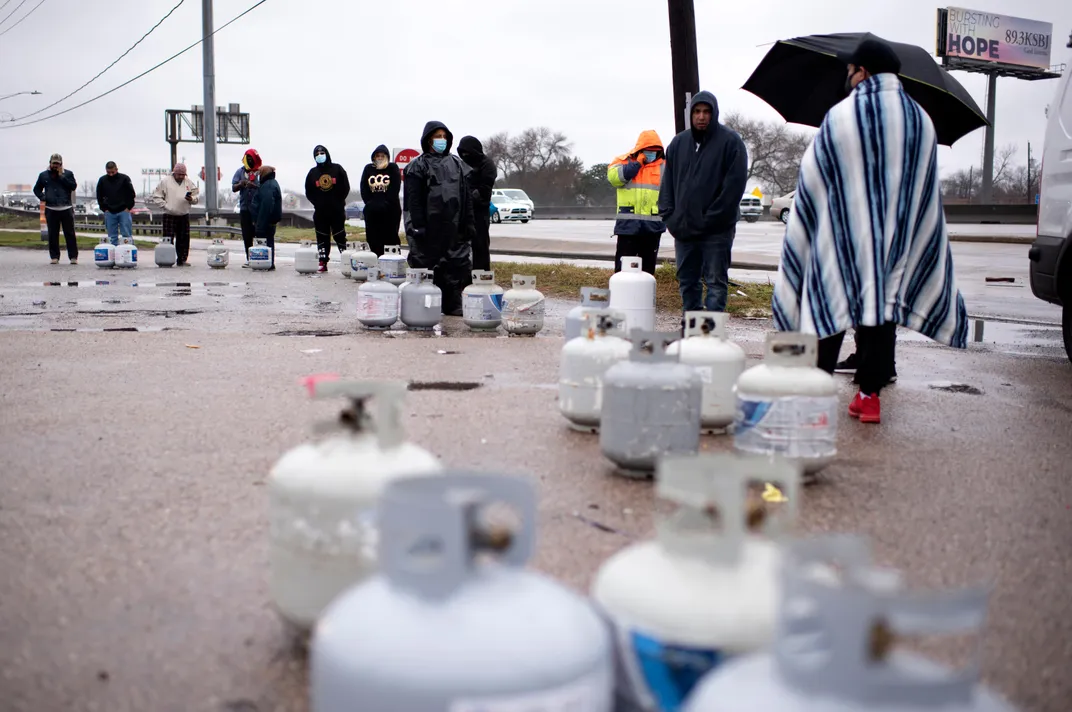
1029,186
683,60
987,193
208,61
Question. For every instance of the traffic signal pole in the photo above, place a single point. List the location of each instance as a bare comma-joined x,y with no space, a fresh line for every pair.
683,59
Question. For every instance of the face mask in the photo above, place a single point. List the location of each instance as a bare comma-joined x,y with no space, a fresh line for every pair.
650,155
439,144
320,158
380,163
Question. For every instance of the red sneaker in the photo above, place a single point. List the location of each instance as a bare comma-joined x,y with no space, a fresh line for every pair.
854,406
870,409
323,266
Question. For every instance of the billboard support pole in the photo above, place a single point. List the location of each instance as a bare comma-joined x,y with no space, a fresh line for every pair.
683,60
209,65
987,192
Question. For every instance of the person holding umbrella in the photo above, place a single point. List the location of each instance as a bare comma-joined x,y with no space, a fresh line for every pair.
866,245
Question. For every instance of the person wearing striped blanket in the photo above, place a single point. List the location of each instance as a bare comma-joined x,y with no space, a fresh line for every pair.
866,245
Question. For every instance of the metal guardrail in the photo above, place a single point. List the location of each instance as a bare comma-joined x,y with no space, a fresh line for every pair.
151,229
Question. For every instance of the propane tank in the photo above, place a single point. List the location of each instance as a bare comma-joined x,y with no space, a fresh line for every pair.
360,260
322,498
482,302
126,254
422,301
453,622
706,588
592,299
306,258
832,649
632,292
720,362
651,406
787,405
104,254
584,361
393,265
218,254
260,255
344,259
522,307
164,254
377,301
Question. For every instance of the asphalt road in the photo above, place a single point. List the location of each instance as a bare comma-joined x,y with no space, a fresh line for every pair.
133,509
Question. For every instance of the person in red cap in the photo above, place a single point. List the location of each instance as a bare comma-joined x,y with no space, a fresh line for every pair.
245,183
175,194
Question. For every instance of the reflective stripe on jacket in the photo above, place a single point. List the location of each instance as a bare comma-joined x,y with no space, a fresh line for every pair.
638,189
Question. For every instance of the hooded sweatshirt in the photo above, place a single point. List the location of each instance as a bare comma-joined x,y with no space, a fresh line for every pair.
438,203
380,187
267,206
703,179
327,186
246,195
484,172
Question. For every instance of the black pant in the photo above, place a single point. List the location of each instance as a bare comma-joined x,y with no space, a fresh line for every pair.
452,273
482,241
329,224
268,234
177,227
646,247
249,230
55,219
381,230
874,351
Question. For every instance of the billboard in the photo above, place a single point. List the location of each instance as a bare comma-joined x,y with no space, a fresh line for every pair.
991,38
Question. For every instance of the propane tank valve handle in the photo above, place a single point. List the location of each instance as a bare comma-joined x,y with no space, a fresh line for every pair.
492,538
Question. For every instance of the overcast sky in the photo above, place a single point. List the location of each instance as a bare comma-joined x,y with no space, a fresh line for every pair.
355,73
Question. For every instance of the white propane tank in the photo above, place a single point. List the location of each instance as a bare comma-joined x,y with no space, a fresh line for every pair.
720,362
344,259
360,260
218,254
126,254
260,255
306,258
651,406
522,307
706,588
632,292
422,301
787,405
377,301
482,302
393,265
104,254
592,299
832,651
164,254
322,499
454,622
582,365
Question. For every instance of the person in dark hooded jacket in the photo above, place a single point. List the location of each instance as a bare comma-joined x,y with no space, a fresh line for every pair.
327,188
381,183
483,180
438,214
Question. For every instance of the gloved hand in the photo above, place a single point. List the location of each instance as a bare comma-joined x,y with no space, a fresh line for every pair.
641,158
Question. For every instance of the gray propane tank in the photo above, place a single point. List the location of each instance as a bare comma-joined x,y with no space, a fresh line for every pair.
582,365
422,301
832,651
218,254
482,302
720,362
393,265
104,254
377,302
788,406
260,255
360,260
706,588
592,299
164,255
522,307
651,406
441,628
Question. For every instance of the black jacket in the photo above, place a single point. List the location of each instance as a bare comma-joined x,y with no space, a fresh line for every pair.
327,186
380,188
484,172
703,179
55,188
267,207
115,193
438,203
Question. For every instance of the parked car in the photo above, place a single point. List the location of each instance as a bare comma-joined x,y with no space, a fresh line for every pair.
1051,254
506,210
781,207
514,195
86,210
751,208
140,213
355,210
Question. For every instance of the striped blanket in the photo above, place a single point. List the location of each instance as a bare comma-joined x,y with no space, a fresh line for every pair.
866,241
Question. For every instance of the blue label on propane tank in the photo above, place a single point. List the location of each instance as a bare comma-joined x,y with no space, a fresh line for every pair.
100,254
671,671
134,255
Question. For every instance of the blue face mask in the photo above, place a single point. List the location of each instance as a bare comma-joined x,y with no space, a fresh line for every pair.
439,144
650,155
320,158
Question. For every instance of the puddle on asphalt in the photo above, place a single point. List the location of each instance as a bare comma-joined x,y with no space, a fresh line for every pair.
1003,335
443,385
309,332
116,283
951,387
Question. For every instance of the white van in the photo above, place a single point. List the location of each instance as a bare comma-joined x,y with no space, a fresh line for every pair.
1051,255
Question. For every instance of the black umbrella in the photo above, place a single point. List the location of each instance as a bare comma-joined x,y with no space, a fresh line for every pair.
802,79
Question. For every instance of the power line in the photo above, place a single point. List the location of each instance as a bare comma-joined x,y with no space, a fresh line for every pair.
12,12
46,108
5,4
147,71
23,18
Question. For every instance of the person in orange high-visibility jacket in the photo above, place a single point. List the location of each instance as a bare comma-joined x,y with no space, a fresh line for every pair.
638,226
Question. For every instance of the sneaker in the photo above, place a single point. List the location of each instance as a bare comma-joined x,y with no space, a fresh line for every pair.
270,269
74,260
323,266
848,365
854,406
868,409
245,266
55,262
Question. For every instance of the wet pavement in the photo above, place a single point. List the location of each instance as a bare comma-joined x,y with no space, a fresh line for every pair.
139,424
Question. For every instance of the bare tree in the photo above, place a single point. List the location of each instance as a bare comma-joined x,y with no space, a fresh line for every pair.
539,161
88,188
774,151
1003,165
